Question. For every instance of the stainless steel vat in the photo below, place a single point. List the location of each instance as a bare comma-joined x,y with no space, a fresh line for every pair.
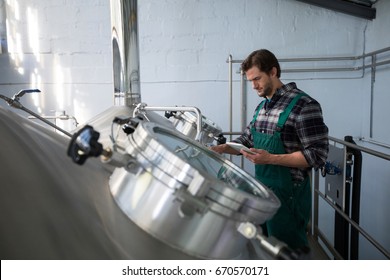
188,196
51,208
186,123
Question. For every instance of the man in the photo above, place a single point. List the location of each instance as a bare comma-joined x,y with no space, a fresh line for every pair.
288,137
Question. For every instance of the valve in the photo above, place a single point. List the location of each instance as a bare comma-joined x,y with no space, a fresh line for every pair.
330,169
84,144
23,92
169,114
131,125
14,101
220,139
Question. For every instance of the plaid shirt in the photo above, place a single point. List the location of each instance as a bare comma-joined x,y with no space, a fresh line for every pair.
303,131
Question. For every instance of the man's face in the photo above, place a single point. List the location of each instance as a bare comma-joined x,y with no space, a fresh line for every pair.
261,82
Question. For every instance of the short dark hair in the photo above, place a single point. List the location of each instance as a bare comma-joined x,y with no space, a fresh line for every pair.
262,59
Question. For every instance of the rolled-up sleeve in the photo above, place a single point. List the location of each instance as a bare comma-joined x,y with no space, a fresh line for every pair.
313,134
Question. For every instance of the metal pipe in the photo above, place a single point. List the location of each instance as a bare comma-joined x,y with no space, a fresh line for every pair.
384,62
143,107
372,141
243,108
230,97
334,58
356,226
328,244
334,69
63,117
16,104
373,67
125,48
338,69
376,52
230,93
360,148
45,121
331,58
243,103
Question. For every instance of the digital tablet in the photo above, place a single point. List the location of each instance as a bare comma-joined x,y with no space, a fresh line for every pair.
238,147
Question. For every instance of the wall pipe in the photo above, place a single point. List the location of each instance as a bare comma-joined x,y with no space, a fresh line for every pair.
143,107
230,93
373,69
243,108
230,61
332,58
325,69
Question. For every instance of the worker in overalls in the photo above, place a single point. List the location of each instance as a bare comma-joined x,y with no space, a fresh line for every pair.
288,137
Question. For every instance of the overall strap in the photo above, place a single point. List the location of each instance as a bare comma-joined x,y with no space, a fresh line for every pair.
258,110
284,115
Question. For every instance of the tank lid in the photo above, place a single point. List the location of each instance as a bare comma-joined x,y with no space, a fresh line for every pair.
181,164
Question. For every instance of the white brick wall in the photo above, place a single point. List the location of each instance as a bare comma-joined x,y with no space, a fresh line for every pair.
67,46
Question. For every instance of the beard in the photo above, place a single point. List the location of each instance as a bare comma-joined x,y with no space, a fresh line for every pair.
267,90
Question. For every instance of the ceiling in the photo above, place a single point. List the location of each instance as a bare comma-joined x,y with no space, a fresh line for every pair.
359,8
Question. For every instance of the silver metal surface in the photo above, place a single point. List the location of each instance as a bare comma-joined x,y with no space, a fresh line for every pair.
335,184
188,124
188,196
111,135
196,122
124,22
51,208
14,102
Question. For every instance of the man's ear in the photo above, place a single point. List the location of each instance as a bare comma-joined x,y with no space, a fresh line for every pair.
274,72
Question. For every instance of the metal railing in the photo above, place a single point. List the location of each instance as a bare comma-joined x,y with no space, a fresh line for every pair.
316,232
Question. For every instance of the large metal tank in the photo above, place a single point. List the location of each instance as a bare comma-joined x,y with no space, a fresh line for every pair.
51,208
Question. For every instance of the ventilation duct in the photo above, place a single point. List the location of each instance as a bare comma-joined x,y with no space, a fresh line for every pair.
125,46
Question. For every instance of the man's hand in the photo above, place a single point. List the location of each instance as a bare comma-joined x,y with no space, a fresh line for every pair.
224,148
295,159
258,156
